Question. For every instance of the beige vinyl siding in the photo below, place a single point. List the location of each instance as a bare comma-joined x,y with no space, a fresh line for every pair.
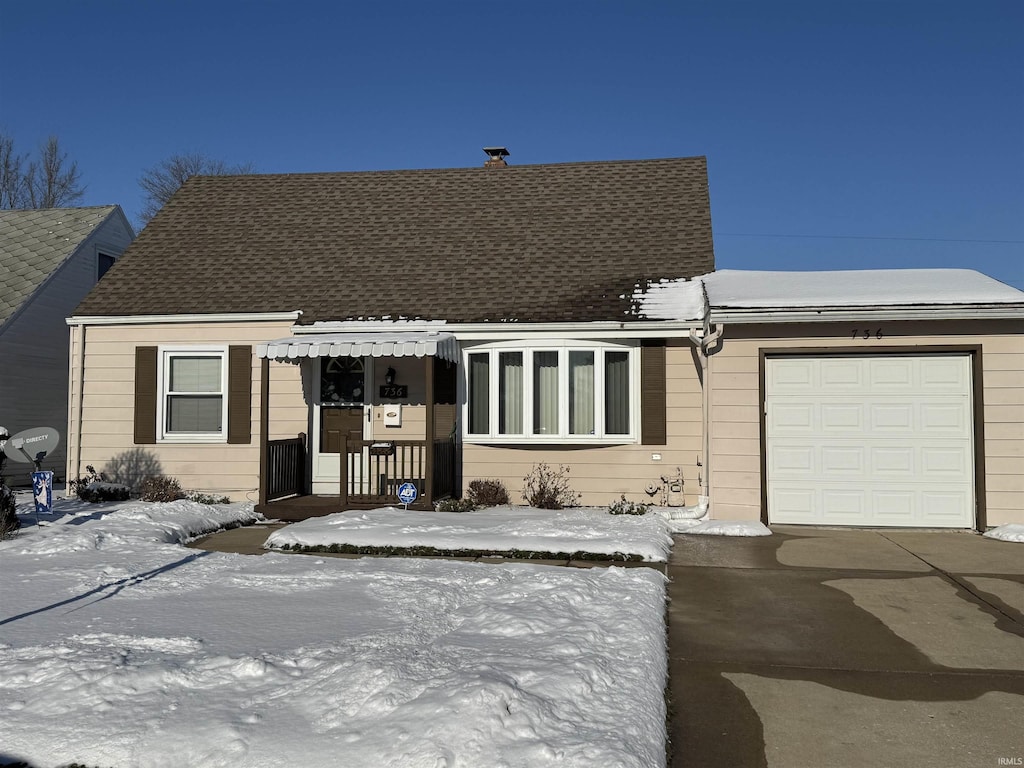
107,404
602,474
735,418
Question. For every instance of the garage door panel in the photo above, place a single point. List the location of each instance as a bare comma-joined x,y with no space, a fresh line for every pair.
891,417
893,462
800,504
792,418
795,378
843,461
794,461
841,417
947,374
876,440
941,419
938,462
891,507
895,373
840,375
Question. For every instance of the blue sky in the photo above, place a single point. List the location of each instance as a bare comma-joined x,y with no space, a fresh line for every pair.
858,134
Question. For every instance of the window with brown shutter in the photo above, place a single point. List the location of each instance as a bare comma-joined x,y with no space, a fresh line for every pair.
653,401
240,394
145,395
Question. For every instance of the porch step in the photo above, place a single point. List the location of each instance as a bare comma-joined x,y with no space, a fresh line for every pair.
303,507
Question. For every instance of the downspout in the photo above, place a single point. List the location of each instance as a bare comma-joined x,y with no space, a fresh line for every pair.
79,407
703,342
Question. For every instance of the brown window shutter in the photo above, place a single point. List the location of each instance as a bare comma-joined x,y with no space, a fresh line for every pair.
653,430
146,393
240,394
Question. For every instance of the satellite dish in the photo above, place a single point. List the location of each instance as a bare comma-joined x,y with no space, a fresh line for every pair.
31,445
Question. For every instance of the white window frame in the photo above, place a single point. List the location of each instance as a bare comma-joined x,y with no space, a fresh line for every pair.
163,379
563,348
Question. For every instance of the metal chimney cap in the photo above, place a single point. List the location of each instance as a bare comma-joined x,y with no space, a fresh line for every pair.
496,153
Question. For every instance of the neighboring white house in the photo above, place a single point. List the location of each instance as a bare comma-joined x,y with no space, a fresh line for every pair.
49,260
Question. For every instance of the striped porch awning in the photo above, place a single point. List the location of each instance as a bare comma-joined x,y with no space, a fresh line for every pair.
360,344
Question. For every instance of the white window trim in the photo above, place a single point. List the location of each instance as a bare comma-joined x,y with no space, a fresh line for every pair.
563,347
163,371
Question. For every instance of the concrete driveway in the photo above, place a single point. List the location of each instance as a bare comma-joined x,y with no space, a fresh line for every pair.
819,648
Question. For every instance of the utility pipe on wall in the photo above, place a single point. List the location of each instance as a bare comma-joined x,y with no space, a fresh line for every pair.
703,342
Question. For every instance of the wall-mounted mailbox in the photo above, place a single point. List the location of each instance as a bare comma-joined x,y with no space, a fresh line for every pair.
393,415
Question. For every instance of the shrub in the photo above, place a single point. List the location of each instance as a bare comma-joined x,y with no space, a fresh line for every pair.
625,507
488,493
455,505
9,522
546,488
205,498
161,489
94,487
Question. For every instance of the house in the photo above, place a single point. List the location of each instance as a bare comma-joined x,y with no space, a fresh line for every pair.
328,337
49,260
313,342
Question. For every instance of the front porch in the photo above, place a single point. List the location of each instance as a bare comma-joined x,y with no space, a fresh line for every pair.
370,476
352,457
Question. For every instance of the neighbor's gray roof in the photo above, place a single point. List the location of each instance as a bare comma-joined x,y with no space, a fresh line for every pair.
33,243
565,242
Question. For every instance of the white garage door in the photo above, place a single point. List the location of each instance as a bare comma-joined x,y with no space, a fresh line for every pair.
874,441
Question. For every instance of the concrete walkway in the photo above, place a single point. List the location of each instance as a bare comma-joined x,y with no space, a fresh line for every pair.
846,649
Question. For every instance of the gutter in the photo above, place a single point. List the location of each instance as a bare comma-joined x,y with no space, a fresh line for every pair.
752,315
226,317
489,331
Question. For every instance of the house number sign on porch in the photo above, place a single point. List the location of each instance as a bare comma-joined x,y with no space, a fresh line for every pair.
394,391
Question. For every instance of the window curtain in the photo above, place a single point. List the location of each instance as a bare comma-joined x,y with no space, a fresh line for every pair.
479,394
616,393
581,393
510,393
545,393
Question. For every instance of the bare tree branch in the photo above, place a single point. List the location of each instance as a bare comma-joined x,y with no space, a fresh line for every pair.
160,182
13,184
52,182
47,182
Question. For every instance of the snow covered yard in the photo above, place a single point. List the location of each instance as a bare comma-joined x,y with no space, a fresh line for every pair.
523,530
120,647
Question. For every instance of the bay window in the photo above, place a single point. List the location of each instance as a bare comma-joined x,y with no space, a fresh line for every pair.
554,392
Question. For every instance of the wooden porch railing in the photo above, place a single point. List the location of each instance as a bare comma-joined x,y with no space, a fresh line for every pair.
373,471
286,468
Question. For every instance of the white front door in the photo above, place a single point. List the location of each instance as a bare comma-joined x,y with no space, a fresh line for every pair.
340,407
884,440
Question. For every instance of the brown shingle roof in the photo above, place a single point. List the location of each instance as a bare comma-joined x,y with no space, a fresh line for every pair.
540,243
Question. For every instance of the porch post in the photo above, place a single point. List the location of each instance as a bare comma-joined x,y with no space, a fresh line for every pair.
428,481
264,427
342,468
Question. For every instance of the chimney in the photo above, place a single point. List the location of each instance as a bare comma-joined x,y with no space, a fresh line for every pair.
496,157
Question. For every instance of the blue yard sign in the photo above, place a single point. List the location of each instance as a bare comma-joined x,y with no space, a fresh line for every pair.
407,493
42,491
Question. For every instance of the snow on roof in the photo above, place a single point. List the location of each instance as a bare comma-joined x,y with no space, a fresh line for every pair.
743,289
856,288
